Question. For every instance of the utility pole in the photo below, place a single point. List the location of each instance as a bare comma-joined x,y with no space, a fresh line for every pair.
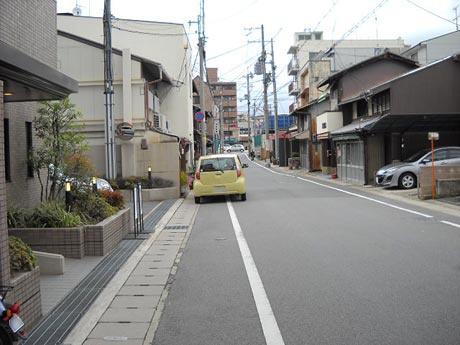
265,82
221,121
456,16
248,97
201,43
275,105
110,158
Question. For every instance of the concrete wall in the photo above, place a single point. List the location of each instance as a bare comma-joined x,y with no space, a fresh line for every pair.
435,49
447,181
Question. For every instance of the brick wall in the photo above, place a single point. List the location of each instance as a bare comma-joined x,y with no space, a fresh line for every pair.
30,26
27,293
4,252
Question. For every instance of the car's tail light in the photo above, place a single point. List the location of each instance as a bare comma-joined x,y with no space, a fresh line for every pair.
238,172
197,175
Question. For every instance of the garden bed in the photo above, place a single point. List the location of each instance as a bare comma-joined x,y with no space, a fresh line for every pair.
91,240
69,242
103,237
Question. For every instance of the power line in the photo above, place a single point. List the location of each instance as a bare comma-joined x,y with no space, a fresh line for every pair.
150,33
430,12
227,52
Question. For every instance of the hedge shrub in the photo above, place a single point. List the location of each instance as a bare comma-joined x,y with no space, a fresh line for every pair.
22,257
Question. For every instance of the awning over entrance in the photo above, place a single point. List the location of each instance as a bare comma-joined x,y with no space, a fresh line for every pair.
27,79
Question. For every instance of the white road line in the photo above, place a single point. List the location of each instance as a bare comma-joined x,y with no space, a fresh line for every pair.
450,223
267,318
351,193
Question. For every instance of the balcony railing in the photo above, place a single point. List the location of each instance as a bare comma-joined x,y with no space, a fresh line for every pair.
293,89
293,67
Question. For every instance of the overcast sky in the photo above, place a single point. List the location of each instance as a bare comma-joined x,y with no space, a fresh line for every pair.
226,22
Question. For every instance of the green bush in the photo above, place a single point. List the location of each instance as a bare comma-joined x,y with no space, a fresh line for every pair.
52,215
92,207
16,217
21,256
114,198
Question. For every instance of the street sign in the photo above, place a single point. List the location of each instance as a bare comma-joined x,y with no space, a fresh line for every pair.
199,116
433,136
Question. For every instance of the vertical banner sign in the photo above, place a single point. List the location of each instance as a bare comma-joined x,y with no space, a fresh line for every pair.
141,211
136,212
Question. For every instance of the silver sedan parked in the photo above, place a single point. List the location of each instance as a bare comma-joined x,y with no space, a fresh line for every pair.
404,174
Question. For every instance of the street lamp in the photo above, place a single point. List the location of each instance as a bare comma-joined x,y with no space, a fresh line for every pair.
68,196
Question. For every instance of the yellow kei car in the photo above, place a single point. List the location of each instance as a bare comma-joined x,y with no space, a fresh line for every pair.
219,175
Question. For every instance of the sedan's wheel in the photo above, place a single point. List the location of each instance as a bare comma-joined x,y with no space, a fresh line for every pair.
241,150
197,200
229,151
407,181
243,197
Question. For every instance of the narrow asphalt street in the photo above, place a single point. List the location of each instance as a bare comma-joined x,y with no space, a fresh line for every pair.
336,268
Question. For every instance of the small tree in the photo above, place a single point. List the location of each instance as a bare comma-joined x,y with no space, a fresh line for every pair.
60,138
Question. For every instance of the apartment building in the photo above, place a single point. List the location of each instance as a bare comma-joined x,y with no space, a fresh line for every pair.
225,97
315,58
153,89
27,75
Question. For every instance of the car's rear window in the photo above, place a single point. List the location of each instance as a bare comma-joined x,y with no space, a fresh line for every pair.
217,164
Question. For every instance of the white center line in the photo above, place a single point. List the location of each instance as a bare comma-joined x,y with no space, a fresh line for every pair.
450,223
351,193
267,318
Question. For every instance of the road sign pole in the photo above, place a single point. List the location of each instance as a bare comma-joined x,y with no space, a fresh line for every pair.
433,172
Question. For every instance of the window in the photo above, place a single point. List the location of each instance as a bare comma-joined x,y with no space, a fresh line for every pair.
29,146
6,126
454,153
381,103
439,155
217,164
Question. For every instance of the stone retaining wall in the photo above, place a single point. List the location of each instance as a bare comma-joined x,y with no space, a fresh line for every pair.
103,237
69,242
447,181
27,292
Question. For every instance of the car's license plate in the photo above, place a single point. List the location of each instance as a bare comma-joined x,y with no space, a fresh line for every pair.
16,323
219,189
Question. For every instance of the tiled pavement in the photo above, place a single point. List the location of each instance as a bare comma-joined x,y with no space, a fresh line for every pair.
128,319
80,288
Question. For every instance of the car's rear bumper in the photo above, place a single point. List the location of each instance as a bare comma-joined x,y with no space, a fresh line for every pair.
238,187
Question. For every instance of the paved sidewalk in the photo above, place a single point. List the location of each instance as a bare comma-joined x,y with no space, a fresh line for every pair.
54,288
129,312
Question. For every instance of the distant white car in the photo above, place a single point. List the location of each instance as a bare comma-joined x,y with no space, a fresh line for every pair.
227,148
236,148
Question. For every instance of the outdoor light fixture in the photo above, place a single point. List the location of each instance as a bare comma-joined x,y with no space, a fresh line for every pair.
149,172
94,183
68,196
8,94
